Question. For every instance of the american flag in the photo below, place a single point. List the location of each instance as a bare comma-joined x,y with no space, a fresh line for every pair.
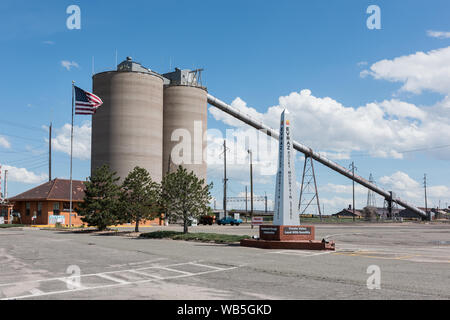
86,102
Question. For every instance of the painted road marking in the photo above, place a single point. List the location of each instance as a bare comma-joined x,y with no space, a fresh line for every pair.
342,234
179,271
204,265
147,274
181,274
108,277
90,274
136,263
72,283
300,253
36,292
378,255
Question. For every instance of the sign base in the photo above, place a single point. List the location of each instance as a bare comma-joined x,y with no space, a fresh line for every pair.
288,237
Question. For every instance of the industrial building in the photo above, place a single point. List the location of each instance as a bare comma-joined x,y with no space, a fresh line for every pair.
48,203
144,116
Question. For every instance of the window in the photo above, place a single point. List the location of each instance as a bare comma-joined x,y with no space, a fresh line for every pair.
39,209
27,208
66,206
56,208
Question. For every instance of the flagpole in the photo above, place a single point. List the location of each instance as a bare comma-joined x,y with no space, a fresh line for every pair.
71,152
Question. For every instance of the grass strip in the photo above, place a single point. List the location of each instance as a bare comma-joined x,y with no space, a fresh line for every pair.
201,237
5,226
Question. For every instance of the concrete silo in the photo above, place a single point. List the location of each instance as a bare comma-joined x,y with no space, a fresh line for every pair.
185,117
127,131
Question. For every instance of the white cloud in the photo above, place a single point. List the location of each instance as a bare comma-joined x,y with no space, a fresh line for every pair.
402,109
402,184
343,189
335,155
362,63
22,175
69,65
438,34
411,190
81,140
418,72
48,42
384,129
240,105
4,143
238,142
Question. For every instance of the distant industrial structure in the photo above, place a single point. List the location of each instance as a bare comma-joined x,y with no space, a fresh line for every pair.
142,109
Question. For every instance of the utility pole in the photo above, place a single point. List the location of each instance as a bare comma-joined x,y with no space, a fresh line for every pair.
1,194
50,152
168,164
246,211
426,204
251,185
6,185
353,172
225,180
265,201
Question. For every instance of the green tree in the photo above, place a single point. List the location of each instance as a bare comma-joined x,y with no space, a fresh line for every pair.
185,196
139,197
99,207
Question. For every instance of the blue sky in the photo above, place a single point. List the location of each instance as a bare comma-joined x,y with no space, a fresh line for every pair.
258,51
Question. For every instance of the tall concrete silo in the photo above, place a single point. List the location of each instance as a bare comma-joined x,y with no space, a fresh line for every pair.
185,122
127,131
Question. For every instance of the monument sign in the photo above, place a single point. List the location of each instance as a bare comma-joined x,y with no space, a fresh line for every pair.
286,231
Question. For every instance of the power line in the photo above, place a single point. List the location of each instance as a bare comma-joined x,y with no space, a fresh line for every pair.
18,125
18,137
44,164
27,162
367,154
32,148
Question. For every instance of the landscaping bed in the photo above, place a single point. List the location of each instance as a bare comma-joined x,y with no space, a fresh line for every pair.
201,237
5,226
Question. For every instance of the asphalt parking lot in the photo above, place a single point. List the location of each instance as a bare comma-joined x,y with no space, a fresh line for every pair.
413,260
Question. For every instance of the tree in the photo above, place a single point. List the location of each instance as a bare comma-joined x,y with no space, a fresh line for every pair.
370,213
185,196
139,197
99,207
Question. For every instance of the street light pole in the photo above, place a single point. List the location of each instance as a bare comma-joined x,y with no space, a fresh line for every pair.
251,185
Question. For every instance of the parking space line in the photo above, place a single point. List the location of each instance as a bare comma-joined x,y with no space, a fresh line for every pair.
114,285
204,265
92,274
146,274
107,277
300,253
36,292
179,271
71,283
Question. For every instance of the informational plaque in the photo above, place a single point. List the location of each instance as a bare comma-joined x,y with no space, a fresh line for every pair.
297,230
